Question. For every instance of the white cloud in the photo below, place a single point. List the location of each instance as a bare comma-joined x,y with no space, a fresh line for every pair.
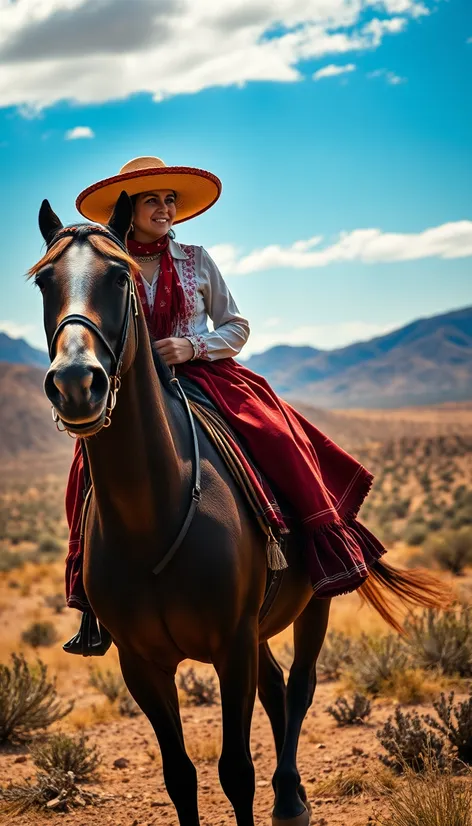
370,246
15,330
332,70
320,336
390,77
90,51
414,9
79,132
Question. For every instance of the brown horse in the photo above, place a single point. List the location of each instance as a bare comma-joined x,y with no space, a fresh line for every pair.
206,604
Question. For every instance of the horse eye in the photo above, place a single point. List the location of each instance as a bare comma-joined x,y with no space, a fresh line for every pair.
122,280
39,283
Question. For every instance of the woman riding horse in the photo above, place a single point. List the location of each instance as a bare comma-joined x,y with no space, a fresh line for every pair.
181,288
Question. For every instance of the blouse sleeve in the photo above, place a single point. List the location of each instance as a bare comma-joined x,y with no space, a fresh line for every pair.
231,330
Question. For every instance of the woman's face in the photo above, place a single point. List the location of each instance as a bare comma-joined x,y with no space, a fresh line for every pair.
154,214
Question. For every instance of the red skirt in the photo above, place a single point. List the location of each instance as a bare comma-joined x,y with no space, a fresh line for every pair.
323,485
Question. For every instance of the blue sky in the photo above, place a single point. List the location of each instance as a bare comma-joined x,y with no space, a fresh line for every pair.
341,130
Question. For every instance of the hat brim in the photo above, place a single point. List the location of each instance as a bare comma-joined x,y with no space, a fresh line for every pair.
197,190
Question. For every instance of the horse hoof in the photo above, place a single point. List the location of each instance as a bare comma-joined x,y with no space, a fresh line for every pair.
300,820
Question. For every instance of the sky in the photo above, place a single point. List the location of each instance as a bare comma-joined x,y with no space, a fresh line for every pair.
341,130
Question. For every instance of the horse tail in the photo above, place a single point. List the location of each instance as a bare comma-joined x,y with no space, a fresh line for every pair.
416,587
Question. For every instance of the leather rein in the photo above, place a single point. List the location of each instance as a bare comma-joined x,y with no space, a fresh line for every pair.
115,379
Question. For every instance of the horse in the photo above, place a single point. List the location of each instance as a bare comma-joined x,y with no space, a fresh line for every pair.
204,605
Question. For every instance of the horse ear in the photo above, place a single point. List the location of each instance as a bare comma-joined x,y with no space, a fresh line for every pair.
49,223
122,217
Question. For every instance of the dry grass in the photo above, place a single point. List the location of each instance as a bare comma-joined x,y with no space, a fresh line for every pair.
83,719
435,798
355,782
205,749
413,686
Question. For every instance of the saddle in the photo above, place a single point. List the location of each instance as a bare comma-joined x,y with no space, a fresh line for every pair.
93,639
252,484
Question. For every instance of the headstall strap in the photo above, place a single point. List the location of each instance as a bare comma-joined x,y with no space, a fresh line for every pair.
131,307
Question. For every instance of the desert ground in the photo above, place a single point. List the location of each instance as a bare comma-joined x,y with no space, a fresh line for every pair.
421,506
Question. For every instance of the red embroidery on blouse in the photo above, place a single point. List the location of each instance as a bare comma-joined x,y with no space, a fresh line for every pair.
187,327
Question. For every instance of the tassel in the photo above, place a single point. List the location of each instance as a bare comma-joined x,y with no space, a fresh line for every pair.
275,558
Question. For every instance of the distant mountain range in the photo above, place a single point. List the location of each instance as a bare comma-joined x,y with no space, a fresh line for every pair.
426,362
18,351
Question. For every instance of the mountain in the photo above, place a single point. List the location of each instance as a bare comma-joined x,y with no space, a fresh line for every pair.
26,426
18,351
426,362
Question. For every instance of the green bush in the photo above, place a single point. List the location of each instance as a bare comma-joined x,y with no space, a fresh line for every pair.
28,699
40,634
109,683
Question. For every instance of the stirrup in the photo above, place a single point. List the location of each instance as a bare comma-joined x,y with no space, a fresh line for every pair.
92,639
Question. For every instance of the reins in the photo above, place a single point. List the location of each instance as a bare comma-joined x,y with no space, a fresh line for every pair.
115,383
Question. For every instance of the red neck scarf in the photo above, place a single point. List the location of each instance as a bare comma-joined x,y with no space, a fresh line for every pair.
169,303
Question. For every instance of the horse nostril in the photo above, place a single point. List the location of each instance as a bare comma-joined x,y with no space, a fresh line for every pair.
99,383
76,384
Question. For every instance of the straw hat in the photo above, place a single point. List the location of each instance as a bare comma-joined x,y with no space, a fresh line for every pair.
196,189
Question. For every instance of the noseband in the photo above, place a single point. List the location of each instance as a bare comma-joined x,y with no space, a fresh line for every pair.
77,318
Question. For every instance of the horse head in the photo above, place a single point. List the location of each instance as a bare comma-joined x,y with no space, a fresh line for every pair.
86,278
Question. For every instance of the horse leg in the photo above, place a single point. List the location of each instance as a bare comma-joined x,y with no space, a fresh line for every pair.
155,692
309,633
237,672
272,694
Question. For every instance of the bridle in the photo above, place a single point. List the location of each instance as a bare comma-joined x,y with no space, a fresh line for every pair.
115,381
76,318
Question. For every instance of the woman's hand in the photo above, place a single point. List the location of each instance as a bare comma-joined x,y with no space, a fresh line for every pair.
174,350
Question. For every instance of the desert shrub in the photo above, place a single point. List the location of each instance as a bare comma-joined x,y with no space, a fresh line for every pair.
410,743
462,517
126,704
28,700
351,713
57,791
354,782
451,549
375,660
411,686
40,634
66,754
199,690
49,544
434,797
56,602
335,655
9,560
112,685
109,683
415,534
442,640
455,724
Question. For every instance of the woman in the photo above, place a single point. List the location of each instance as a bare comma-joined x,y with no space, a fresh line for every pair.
181,289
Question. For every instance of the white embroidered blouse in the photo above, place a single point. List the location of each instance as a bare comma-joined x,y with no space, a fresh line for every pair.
206,296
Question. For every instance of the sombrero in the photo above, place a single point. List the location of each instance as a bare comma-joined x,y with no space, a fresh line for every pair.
196,189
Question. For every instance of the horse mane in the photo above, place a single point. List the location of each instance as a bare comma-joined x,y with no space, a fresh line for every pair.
99,242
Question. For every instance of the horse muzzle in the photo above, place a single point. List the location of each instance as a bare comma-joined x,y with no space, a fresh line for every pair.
78,392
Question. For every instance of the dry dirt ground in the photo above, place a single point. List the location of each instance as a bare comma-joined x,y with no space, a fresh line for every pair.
137,792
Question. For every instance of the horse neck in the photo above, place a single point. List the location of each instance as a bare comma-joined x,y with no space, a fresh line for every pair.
135,464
